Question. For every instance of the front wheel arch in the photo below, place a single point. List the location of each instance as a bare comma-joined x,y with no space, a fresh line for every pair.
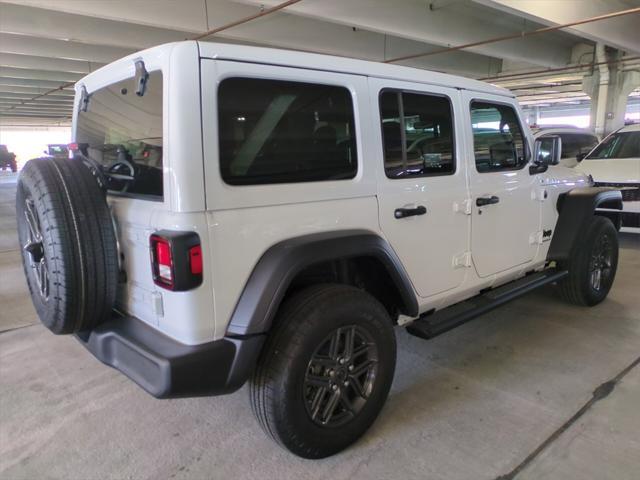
576,208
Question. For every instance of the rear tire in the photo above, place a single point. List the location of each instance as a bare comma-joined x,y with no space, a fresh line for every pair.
593,264
68,244
306,390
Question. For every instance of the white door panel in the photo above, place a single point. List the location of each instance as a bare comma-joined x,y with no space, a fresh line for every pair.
505,232
430,244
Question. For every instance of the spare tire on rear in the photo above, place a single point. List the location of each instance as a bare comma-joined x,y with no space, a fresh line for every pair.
69,248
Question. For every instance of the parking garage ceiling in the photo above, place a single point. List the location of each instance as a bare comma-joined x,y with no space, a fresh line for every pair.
46,45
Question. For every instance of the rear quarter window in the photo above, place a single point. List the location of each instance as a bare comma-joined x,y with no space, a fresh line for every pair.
273,131
122,131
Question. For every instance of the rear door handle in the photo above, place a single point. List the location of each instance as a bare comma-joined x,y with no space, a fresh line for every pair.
483,201
409,212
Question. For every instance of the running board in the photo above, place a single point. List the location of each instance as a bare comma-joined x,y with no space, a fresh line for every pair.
433,324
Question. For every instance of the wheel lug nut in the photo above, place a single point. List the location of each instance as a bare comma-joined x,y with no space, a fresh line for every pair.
350,368
346,384
334,387
341,361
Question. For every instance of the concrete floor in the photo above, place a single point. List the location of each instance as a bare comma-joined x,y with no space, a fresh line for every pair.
492,399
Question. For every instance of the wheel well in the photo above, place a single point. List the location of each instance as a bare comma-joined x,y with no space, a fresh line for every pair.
613,212
615,217
366,273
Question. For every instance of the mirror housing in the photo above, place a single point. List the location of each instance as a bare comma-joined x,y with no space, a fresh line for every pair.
547,151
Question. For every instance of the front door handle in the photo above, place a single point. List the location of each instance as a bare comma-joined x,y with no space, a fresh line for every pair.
483,201
409,212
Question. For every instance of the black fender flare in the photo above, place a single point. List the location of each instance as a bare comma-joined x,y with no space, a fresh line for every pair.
278,266
574,208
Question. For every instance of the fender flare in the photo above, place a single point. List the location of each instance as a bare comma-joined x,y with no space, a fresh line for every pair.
574,208
278,266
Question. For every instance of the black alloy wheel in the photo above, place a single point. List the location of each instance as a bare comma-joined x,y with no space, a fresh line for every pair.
340,376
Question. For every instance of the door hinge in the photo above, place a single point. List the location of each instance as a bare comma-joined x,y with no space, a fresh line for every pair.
539,194
462,260
463,207
536,238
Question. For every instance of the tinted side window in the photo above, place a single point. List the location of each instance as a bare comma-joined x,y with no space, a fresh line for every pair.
570,145
497,137
417,132
587,143
273,131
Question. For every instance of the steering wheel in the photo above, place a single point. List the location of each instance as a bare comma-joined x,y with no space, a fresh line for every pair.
116,169
123,162
416,146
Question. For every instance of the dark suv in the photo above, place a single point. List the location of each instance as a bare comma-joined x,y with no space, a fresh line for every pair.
7,159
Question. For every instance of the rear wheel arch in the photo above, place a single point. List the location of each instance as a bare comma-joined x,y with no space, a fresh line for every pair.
355,257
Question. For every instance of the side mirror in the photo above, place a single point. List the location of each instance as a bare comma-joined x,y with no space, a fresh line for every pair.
547,151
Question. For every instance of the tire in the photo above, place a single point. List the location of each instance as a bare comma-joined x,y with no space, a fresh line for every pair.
292,407
587,258
69,249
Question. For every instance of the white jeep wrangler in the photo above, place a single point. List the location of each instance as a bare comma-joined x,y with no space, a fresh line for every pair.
235,214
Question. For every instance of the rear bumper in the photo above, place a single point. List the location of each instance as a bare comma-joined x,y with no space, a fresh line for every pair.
168,369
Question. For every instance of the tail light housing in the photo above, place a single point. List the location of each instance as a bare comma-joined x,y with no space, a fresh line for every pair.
176,260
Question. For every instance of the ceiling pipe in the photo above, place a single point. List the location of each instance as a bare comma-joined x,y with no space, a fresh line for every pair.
514,36
559,69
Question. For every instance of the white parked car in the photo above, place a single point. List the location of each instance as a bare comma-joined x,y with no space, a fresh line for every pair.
237,214
576,142
616,163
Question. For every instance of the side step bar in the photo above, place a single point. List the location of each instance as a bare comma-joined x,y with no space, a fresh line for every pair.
433,324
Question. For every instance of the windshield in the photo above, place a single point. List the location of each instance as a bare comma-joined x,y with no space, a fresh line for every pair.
618,145
122,131
58,150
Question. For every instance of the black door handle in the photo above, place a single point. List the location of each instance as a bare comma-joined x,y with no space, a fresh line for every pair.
482,201
409,212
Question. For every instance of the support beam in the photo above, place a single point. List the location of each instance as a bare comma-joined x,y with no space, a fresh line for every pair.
27,96
61,77
33,91
279,30
45,63
44,111
50,48
34,115
27,82
621,32
447,24
55,25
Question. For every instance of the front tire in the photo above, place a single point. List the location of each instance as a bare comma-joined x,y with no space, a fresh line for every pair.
593,264
325,371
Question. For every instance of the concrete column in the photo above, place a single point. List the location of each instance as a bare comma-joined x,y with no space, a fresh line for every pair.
533,115
609,87
628,81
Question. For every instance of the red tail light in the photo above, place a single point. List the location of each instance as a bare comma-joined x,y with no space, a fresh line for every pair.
195,260
176,260
163,260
